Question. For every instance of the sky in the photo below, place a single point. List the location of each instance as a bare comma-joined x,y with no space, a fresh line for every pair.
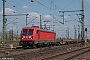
50,15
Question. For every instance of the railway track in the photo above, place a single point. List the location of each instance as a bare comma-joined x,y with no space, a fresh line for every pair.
41,54
5,50
68,55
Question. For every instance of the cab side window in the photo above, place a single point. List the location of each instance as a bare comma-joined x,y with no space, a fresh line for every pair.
37,32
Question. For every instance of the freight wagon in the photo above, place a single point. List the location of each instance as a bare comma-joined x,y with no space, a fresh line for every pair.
33,36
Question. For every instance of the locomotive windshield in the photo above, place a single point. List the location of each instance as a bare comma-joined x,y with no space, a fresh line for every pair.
27,31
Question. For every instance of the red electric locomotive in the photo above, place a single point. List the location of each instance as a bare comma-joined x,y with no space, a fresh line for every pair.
34,36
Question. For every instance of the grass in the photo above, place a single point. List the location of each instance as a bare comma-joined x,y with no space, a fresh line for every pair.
8,42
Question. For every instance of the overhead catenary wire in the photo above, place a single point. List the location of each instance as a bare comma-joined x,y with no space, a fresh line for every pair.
45,6
69,4
17,7
31,21
85,7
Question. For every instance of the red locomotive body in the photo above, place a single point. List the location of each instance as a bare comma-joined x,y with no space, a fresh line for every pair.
45,35
34,36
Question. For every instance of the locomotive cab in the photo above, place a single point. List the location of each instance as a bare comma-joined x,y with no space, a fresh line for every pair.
27,34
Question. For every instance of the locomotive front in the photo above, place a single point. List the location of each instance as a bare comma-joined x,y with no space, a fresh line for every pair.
26,37
26,34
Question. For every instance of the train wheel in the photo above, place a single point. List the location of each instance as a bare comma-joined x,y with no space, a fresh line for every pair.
38,45
34,46
25,46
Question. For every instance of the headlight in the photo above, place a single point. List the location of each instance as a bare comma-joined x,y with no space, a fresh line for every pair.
31,37
23,37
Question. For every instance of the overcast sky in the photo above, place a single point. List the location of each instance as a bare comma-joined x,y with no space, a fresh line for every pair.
49,9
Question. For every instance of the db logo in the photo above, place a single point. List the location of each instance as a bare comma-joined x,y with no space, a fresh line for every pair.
26,36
